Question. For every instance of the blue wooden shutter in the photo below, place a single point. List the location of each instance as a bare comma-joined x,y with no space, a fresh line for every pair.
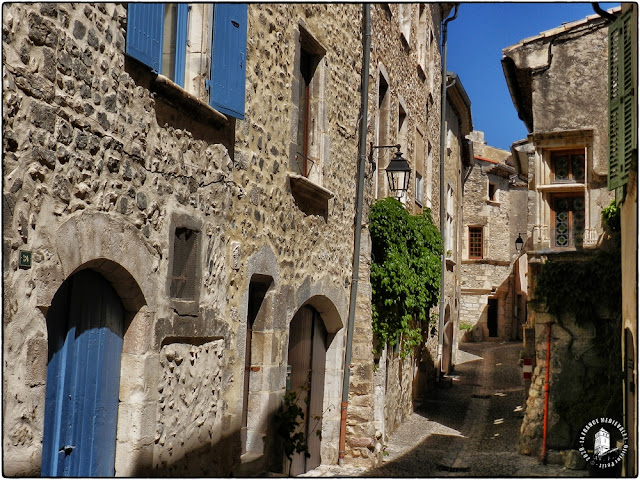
145,26
181,43
228,59
85,326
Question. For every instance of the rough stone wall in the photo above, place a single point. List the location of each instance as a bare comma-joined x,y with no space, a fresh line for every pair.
378,405
569,95
501,220
84,136
190,418
453,176
99,164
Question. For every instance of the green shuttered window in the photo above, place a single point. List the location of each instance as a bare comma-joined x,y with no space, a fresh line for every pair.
622,99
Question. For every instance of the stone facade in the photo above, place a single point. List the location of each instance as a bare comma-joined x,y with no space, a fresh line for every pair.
404,78
457,163
564,106
111,167
495,206
104,162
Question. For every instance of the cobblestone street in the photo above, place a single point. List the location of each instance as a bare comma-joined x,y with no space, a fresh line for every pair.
467,427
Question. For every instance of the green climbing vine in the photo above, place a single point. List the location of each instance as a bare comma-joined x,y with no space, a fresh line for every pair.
583,287
405,273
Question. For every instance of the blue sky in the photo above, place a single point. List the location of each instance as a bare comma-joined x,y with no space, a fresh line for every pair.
475,42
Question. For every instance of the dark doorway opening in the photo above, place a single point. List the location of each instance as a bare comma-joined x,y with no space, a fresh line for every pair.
492,317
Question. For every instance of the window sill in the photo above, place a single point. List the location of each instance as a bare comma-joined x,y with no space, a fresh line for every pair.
485,261
311,198
493,203
563,187
183,100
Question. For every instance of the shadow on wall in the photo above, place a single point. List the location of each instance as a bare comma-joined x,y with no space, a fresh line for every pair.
497,320
176,112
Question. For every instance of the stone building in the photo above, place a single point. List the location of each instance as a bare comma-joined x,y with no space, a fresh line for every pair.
178,222
457,163
495,214
404,109
558,83
211,218
623,178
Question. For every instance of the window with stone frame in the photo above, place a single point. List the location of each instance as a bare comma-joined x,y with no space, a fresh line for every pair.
475,243
563,218
199,48
186,245
419,165
567,220
567,166
423,40
310,108
492,192
383,133
405,11
449,233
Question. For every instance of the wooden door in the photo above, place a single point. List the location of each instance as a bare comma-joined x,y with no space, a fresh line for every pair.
307,357
85,324
631,403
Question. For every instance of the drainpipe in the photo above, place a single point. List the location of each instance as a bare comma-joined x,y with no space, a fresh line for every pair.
443,132
543,455
362,155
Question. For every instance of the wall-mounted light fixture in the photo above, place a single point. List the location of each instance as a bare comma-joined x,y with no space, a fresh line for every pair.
519,243
398,172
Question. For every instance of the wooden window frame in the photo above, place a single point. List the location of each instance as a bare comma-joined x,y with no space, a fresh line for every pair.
553,154
476,245
552,227
311,55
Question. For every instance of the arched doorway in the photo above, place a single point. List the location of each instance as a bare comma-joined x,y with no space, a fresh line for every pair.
306,360
631,402
447,341
85,325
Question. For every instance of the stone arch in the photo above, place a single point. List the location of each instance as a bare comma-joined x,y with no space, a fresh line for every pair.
331,303
106,244
447,340
256,311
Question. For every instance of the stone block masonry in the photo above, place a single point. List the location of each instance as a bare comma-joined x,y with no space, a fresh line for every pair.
102,166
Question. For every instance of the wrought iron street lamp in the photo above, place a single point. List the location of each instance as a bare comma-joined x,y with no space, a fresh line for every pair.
519,243
398,172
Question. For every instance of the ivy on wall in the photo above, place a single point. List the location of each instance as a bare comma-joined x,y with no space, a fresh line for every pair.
405,273
582,287
590,292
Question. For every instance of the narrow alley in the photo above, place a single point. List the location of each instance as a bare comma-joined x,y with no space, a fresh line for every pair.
468,427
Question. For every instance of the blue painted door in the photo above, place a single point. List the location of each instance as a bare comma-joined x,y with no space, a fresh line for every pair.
85,324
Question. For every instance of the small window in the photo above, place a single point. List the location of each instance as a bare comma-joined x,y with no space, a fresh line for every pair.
419,189
568,220
185,262
158,36
475,242
567,166
308,152
493,192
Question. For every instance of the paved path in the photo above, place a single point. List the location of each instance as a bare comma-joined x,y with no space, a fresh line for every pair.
469,426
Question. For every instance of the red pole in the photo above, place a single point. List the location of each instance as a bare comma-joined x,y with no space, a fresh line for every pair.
543,455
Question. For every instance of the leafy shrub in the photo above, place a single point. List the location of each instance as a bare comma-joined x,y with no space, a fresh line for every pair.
405,273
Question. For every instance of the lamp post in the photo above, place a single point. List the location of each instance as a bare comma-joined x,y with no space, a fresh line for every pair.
398,172
519,243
